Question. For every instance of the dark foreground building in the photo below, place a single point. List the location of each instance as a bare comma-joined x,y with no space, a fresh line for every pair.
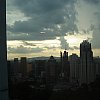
3,57
87,69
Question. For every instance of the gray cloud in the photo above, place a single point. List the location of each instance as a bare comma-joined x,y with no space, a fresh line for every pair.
45,15
52,17
96,39
28,44
75,47
93,1
22,50
31,37
90,17
31,7
96,29
10,6
64,44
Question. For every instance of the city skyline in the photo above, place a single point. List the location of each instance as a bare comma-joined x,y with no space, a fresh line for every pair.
42,27
83,69
64,35
62,77
40,57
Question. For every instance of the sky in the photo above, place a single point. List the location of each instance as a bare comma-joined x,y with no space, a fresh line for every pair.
46,27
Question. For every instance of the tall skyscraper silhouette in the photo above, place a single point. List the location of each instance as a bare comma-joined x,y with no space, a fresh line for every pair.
65,67
87,68
3,57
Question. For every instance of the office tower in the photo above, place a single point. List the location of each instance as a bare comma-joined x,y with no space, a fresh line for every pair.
3,57
51,70
87,68
16,66
23,66
29,68
74,67
39,68
97,65
9,68
65,67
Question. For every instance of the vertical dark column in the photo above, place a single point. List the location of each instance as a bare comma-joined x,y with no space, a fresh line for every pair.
3,53
61,60
86,68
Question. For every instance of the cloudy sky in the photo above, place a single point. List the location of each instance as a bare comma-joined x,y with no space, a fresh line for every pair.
46,27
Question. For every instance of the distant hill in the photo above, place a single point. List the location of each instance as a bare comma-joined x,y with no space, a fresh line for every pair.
41,58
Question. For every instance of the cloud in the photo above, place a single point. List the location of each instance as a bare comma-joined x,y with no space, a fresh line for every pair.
52,17
28,44
89,19
96,39
75,47
40,7
31,36
93,1
64,44
45,16
23,50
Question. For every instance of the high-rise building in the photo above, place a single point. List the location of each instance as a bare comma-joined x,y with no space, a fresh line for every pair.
51,69
97,65
65,66
39,68
74,67
29,67
87,68
16,66
23,66
3,57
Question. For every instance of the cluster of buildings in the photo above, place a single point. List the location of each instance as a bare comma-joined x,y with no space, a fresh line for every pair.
73,69
19,70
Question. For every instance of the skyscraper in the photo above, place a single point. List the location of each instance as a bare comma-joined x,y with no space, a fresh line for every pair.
74,67
23,66
51,70
16,66
65,67
87,68
3,57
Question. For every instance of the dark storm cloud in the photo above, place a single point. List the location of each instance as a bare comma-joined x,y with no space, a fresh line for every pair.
44,15
31,36
29,7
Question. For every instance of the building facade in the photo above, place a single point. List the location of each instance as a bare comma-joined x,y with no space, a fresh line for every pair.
3,53
51,68
74,67
23,66
65,66
39,68
16,66
87,68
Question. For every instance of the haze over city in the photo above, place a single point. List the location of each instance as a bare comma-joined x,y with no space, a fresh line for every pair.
46,27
